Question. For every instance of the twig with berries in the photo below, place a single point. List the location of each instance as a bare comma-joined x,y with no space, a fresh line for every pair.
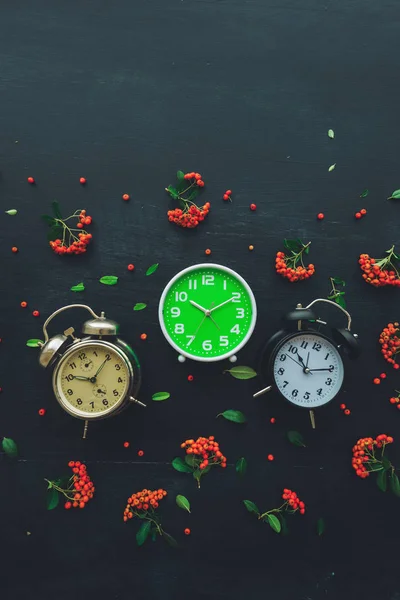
64,239
143,505
381,271
275,516
200,456
389,340
369,457
336,294
77,489
187,189
288,265
395,399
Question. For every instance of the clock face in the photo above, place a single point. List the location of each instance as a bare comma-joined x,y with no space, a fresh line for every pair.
92,379
207,312
308,369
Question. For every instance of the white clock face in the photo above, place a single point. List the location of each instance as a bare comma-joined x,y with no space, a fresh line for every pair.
308,370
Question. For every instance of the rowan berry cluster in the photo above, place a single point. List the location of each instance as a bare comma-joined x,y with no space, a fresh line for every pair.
78,246
389,340
360,214
286,266
368,454
293,502
275,516
380,272
205,452
143,501
67,240
227,196
194,178
80,489
190,216
188,186
395,400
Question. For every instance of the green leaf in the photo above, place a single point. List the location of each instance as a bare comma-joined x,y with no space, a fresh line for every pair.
142,533
274,523
173,192
199,472
395,195
49,220
241,466
108,280
292,245
152,269
159,396
153,534
181,466
55,232
169,539
338,281
340,300
34,343
56,209
381,481
79,287
320,526
242,372
251,507
193,194
386,463
139,306
183,502
180,175
395,484
296,438
190,459
332,167
364,193
331,133
285,530
10,447
53,498
11,212
233,415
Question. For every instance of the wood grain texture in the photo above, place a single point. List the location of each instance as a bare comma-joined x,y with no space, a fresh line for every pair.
124,93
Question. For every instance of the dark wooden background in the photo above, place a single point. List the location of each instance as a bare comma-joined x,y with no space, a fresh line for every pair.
124,93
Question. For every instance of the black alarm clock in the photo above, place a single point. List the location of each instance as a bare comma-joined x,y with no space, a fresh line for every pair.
303,364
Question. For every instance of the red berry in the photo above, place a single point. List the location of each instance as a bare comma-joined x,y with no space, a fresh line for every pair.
36,313
229,192
140,453
320,216
382,375
14,249
67,505
347,411
363,211
225,197
253,206
342,406
143,336
42,411
31,180
272,420
82,180
377,381
24,304
270,457
125,197
131,267
190,377
187,531
358,215
126,444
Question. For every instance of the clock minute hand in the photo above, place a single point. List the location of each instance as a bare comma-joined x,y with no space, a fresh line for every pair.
330,370
100,368
222,304
305,368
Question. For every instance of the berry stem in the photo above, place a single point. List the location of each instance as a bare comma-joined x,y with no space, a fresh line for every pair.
61,490
277,510
292,260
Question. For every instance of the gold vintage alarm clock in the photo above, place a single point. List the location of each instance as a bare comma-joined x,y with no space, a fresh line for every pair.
94,377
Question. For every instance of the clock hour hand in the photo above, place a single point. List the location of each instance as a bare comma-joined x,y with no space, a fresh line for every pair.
222,304
305,368
204,310
81,378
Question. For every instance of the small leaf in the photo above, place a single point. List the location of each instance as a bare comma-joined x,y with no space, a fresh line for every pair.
241,466
285,530
56,209
320,526
293,245
251,507
169,539
364,193
183,502
180,175
340,300
49,220
53,498
139,306
331,133
274,523
108,280
395,484
79,287
395,195
190,459
386,463
153,534
34,343
181,466
142,533
381,481
10,447
233,415
159,396
199,472
152,269
173,192
193,194
55,232
338,281
242,372
296,438
11,212
332,167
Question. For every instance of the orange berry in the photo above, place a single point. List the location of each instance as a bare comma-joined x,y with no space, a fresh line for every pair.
207,251
125,197
270,457
24,304
140,453
14,249
143,336
187,531
251,248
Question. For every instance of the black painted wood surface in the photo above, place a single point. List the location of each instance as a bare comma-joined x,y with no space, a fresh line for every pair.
124,93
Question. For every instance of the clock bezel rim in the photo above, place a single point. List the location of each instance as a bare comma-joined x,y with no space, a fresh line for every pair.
275,350
115,408
194,268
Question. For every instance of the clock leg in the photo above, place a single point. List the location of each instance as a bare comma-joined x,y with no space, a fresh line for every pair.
85,428
233,358
312,419
181,358
261,392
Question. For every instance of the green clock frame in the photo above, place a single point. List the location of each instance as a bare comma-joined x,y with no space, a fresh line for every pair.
207,312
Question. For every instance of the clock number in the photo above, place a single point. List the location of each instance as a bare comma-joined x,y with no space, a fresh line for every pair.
235,329
105,402
181,296
316,346
91,404
179,328
304,344
190,340
69,377
70,392
326,357
328,381
240,313
292,349
331,368
281,371
207,345
78,401
319,392
223,340
115,392
285,383
95,353
282,357
175,311
82,356
306,396
192,284
236,296
117,367
72,365
207,280
119,379
108,357
294,393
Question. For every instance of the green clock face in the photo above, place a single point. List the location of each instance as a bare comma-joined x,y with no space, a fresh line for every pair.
207,312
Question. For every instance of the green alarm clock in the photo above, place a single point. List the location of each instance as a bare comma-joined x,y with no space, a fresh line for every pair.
207,312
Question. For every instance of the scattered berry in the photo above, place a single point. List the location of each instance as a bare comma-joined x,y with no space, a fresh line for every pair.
382,375
225,197
229,192
320,216
358,215
190,377
253,206
31,180
251,248
187,531
272,420
14,249
347,411
143,336
42,412
24,304
36,313
270,457
140,453
377,381
131,267
67,505
342,406
82,180
126,197
126,444
363,211
207,251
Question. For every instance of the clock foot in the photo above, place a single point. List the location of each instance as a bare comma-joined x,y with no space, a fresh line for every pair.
261,392
132,399
233,358
181,358
85,428
312,419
